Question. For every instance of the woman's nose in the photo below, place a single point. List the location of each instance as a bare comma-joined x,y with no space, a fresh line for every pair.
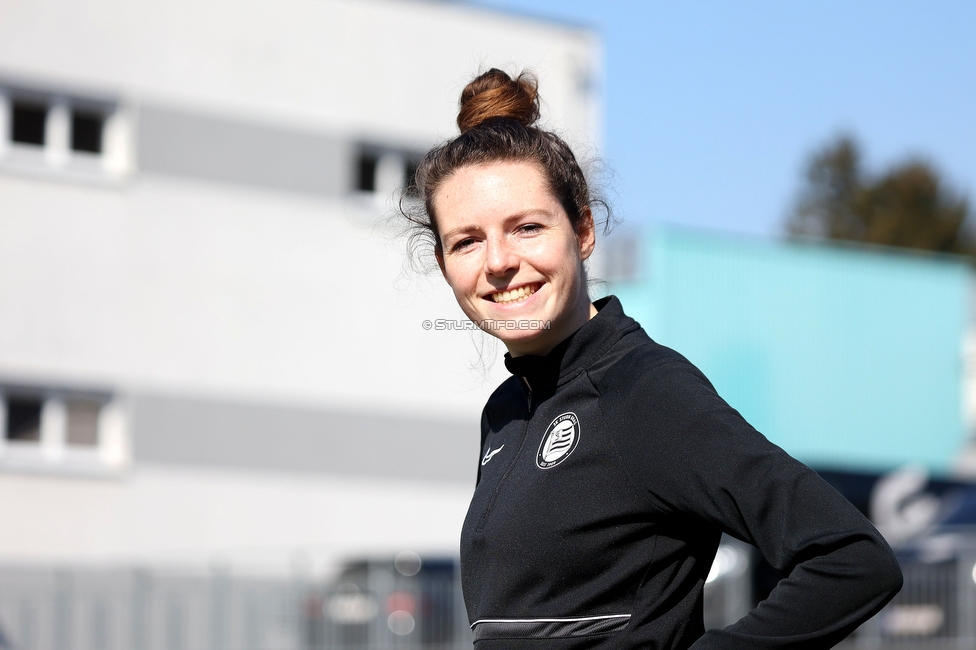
501,258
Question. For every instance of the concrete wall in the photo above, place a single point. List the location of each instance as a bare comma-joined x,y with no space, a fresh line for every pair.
393,68
214,277
249,520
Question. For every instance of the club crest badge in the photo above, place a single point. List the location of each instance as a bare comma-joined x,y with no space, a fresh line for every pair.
560,441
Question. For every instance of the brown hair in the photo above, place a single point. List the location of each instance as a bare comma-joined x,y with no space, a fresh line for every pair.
496,117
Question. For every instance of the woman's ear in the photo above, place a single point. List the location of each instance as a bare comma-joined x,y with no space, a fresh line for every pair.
586,234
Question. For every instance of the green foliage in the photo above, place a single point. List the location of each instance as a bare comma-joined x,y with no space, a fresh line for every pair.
909,206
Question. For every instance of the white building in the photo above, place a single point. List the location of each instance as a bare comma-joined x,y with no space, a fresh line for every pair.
207,346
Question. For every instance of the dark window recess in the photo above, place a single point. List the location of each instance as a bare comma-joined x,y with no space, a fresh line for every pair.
86,132
23,418
410,172
27,123
366,173
83,422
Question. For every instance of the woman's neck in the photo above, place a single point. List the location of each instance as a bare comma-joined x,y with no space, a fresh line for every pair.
583,313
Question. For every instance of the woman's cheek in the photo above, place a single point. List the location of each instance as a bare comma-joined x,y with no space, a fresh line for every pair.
463,275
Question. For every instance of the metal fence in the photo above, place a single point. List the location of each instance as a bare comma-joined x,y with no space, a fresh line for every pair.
936,609
370,606
401,604
137,609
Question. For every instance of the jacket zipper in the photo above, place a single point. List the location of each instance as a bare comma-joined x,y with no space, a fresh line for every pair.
528,387
480,528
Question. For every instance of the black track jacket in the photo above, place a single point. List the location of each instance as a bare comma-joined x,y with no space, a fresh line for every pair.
609,469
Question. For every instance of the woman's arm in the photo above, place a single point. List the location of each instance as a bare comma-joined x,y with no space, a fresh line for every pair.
719,469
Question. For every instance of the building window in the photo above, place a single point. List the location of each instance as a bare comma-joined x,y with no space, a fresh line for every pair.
82,422
28,123
76,137
366,172
61,430
86,131
382,172
23,419
410,172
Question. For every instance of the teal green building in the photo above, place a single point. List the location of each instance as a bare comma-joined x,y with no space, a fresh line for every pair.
849,358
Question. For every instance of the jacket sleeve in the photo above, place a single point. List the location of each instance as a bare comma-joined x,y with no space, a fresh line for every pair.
694,454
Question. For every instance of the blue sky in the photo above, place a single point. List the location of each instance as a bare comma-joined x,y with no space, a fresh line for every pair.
712,108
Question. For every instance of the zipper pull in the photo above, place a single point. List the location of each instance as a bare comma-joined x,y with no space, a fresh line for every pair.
528,387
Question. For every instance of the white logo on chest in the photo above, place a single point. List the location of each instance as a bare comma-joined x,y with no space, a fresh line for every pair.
490,454
560,440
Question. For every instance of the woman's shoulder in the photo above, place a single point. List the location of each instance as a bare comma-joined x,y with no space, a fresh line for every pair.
508,396
507,390
649,366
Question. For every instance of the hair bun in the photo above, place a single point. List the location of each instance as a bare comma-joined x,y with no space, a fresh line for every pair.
495,94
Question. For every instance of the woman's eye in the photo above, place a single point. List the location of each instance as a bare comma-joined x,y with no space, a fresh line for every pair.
462,244
530,227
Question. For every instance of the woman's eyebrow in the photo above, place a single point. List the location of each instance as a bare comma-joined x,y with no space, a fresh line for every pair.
528,213
525,214
456,231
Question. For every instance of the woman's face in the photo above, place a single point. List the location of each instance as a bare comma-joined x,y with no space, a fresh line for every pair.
511,255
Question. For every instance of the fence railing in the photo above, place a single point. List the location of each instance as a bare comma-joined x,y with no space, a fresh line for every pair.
370,606
138,609
400,605
936,608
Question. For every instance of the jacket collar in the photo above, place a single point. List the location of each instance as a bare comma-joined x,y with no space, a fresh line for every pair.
543,374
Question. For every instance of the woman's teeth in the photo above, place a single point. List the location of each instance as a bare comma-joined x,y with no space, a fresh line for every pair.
513,296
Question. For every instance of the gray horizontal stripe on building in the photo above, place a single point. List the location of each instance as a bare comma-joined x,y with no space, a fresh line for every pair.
178,430
174,142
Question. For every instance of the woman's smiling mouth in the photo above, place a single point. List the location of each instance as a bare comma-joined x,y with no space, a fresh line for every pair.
515,295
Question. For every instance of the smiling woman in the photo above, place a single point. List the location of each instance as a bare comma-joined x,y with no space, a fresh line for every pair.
610,467
509,252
